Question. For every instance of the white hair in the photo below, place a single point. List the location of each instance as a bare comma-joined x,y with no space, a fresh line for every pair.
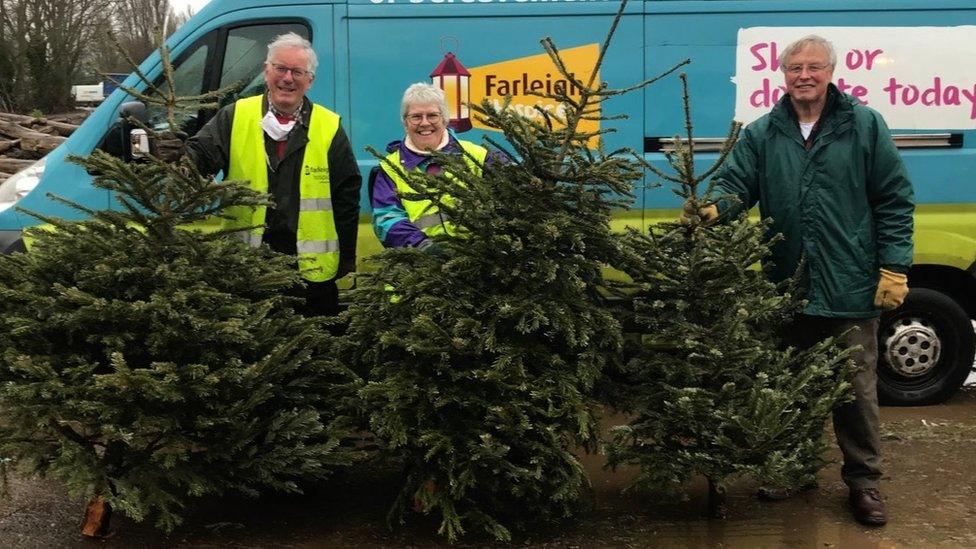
291,40
797,46
422,92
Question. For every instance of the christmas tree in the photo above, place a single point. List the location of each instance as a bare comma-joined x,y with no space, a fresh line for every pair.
144,362
713,391
481,357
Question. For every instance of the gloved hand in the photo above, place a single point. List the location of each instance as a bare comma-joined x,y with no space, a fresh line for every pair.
169,146
430,247
707,213
892,289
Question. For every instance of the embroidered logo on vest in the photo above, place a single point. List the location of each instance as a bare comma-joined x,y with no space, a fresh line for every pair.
318,172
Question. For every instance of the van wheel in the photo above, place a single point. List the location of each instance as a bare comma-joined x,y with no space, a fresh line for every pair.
925,349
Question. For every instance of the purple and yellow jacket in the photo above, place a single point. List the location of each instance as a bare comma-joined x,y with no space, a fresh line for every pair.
391,223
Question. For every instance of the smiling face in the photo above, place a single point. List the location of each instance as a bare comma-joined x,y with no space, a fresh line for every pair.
425,125
286,90
808,72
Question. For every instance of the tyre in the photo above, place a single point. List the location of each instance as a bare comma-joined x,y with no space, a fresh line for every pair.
925,349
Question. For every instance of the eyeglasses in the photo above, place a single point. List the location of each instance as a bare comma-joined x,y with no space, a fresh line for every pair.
811,69
282,70
417,118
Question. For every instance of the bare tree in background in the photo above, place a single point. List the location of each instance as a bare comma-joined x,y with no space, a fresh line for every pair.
8,63
46,46
138,23
49,39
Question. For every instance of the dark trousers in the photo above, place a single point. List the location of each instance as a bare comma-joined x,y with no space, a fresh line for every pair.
321,298
856,423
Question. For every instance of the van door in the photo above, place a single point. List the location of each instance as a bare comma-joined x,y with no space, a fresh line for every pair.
484,51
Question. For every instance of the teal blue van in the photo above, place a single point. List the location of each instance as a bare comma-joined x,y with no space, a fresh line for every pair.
909,59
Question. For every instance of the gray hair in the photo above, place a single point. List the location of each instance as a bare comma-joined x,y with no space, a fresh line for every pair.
808,40
422,92
291,40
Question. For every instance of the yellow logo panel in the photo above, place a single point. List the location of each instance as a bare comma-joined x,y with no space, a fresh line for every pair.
517,77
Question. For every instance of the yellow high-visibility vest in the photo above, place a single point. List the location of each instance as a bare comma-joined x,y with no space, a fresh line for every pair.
317,238
424,214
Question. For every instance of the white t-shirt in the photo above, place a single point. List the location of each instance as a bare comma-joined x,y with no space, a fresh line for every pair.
806,129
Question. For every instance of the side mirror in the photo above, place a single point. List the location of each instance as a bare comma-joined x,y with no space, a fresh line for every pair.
135,137
124,139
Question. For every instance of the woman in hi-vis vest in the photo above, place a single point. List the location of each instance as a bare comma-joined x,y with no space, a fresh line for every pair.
412,223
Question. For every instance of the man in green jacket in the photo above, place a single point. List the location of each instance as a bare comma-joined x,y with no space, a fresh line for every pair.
297,151
825,170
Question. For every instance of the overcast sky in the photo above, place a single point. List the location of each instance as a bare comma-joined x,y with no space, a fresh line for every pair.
180,5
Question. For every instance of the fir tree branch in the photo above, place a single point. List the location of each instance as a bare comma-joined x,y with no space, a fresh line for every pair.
731,138
688,150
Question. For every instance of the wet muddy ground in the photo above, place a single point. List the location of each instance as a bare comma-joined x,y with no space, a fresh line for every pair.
929,486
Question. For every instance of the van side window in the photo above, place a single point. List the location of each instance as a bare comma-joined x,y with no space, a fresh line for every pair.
244,51
189,77
221,57
244,56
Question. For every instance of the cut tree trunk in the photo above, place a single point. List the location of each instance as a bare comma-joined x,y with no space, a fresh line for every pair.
74,118
13,165
45,129
98,514
18,118
7,145
13,129
31,140
62,128
716,500
40,142
20,154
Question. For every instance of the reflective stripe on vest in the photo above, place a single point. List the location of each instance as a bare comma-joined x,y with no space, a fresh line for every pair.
423,213
317,241
252,239
429,220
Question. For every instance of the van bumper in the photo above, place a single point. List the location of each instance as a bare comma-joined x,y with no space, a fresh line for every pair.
11,241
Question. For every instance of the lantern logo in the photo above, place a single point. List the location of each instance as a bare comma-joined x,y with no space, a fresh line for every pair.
514,77
451,76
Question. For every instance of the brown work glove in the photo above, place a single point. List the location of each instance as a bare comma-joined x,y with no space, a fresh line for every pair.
430,247
169,146
707,213
892,289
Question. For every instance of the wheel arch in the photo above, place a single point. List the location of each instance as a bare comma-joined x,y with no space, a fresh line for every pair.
957,283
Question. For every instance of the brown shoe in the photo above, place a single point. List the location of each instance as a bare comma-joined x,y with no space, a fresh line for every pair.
867,507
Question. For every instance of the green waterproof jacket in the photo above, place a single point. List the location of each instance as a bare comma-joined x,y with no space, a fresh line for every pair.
844,204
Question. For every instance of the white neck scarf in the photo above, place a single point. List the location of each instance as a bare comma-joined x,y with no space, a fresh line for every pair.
276,130
417,150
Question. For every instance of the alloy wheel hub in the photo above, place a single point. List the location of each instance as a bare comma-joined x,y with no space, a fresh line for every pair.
912,347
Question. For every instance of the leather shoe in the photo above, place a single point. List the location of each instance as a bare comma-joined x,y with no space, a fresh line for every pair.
867,507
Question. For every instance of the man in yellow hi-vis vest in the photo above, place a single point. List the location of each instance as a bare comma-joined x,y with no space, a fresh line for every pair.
298,152
400,223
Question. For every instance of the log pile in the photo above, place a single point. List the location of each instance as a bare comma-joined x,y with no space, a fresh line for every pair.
25,139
